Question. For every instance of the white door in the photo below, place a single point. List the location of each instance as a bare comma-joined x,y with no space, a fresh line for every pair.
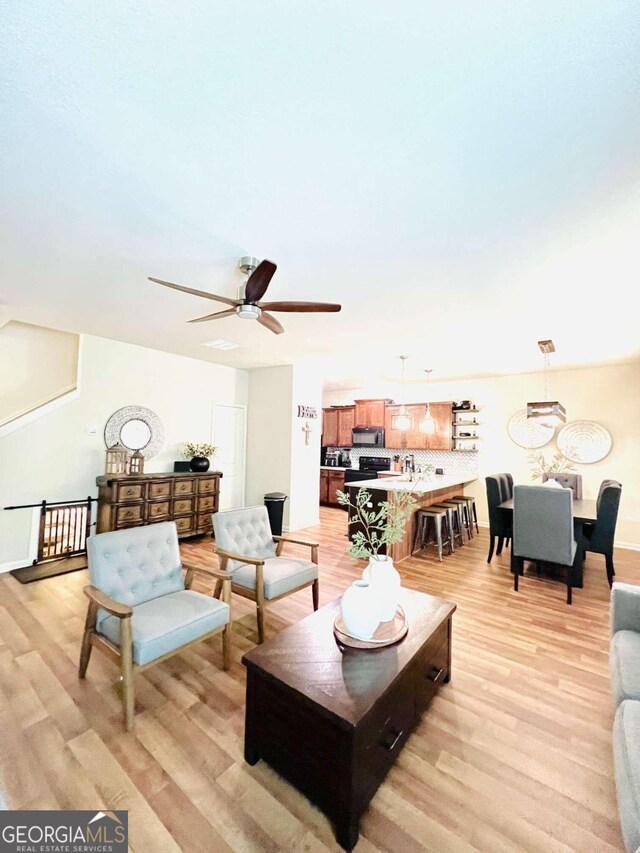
229,436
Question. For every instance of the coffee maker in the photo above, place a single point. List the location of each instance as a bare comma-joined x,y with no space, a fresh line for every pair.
344,459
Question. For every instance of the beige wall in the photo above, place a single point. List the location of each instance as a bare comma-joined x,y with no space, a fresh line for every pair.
608,395
56,457
269,434
36,365
278,458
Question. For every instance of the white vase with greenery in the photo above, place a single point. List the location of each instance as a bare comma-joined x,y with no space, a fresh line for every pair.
379,529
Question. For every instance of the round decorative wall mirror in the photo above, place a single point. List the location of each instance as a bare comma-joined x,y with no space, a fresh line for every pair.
136,428
528,432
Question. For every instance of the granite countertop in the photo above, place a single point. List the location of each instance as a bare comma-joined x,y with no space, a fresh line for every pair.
416,486
336,468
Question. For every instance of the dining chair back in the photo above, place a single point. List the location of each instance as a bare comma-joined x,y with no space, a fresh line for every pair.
543,530
499,520
599,537
567,481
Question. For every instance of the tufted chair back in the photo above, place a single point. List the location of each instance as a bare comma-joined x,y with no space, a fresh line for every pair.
543,524
567,481
244,531
136,565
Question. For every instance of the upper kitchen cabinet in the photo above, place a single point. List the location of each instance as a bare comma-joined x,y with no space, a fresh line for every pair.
370,413
443,416
329,427
413,438
337,423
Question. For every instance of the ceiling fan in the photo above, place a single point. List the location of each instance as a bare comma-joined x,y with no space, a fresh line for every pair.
248,305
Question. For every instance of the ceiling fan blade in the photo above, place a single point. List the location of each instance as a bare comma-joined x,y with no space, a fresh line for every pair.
215,316
271,323
258,281
193,292
306,307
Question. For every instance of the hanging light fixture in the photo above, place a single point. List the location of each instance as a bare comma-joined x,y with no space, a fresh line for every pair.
548,412
428,422
402,420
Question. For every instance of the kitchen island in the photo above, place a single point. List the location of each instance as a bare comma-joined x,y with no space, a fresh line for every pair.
425,491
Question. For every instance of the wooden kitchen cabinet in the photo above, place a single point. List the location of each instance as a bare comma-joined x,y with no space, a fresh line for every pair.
370,413
443,416
329,427
336,481
413,439
324,486
337,423
346,422
330,482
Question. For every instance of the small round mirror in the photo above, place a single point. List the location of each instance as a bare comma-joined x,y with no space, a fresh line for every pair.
135,434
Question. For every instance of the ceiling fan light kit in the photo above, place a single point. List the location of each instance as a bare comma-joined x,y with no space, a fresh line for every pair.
248,305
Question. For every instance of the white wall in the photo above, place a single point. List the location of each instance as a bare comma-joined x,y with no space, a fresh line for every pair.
278,459
55,458
305,457
36,365
269,434
607,395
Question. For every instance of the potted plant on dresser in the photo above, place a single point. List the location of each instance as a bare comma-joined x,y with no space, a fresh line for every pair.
198,454
374,598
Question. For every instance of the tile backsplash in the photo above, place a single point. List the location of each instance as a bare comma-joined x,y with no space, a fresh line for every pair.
451,461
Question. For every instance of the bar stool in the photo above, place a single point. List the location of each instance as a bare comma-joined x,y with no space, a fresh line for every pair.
439,519
456,524
472,515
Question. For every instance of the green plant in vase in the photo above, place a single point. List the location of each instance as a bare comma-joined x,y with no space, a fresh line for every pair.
377,530
558,464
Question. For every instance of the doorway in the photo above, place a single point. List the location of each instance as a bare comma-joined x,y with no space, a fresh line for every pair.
230,437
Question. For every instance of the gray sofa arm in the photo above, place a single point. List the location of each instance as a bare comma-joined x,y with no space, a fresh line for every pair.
625,607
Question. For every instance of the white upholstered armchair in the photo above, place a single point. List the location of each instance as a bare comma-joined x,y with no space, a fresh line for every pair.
141,609
252,556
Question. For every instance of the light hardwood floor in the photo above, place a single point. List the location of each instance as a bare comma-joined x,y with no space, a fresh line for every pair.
513,755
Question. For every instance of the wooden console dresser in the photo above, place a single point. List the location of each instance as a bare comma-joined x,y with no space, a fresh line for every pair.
189,499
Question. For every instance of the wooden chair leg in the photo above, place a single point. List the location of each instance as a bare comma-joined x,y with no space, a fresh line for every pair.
260,617
226,647
492,542
315,593
218,589
89,628
500,544
126,651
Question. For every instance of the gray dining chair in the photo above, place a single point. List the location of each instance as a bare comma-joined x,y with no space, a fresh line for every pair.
543,532
567,481
598,537
499,521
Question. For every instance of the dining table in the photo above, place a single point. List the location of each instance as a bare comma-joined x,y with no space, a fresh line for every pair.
584,512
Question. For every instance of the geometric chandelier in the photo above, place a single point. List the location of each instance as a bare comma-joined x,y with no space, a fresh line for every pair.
548,412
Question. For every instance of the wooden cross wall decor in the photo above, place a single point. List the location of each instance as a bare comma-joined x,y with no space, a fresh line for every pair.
306,429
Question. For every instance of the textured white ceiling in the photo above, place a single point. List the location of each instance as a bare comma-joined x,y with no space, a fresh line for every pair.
463,177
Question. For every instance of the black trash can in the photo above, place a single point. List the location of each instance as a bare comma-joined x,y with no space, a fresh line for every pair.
274,502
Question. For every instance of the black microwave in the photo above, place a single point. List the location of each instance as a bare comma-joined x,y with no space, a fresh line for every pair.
367,437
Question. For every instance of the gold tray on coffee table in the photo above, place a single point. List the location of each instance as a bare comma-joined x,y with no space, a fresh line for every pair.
386,634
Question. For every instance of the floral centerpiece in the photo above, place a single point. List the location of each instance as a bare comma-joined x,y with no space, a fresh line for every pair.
558,464
199,454
375,598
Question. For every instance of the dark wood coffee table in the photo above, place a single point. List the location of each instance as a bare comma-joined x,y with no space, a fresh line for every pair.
333,722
